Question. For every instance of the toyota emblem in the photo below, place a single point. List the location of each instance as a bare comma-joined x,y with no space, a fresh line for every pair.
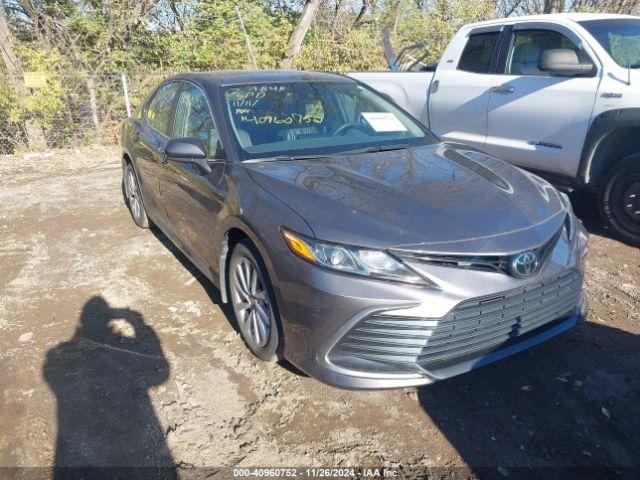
524,264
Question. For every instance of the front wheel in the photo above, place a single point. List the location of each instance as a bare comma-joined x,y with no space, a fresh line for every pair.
254,304
620,200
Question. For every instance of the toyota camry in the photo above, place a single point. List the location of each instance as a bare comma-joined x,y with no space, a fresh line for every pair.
345,236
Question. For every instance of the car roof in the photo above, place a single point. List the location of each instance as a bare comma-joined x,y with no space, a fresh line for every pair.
553,17
238,77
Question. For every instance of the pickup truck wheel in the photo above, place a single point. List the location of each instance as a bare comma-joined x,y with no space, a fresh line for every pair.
620,200
254,304
133,197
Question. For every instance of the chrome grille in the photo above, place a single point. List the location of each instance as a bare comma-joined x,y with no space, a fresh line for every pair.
493,263
381,342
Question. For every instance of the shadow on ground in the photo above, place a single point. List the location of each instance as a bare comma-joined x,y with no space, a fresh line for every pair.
565,409
101,377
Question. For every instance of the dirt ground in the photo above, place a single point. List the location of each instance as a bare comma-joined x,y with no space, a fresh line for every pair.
115,352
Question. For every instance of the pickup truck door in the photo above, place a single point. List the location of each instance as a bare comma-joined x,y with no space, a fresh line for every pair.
536,120
459,92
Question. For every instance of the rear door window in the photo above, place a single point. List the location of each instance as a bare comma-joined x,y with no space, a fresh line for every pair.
477,53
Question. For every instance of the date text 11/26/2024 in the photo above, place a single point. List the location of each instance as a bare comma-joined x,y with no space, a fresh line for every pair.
316,472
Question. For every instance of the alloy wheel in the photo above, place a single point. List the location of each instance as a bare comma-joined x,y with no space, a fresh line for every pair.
251,303
133,196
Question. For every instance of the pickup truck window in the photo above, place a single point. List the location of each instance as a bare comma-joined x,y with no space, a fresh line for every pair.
477,53
527,46
315,118
620,37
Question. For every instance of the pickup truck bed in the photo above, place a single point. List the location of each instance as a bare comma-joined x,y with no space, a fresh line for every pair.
410,90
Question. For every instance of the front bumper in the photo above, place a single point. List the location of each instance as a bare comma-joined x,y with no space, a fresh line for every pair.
322,312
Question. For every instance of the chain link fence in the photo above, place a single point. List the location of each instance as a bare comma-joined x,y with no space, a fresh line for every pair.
91,109
77,107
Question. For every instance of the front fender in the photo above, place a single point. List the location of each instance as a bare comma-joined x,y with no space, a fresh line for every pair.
612,136
260,217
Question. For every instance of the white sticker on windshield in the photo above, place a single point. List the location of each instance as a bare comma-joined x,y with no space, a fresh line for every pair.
384,122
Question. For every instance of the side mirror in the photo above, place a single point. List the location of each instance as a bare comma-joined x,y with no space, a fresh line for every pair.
563,62
187,150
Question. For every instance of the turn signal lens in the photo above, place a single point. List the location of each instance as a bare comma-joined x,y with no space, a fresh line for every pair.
298,246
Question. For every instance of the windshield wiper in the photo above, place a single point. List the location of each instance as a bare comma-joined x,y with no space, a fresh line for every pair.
376,149
289,158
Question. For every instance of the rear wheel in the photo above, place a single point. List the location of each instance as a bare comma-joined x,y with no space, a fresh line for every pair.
133,197
620,200
253,302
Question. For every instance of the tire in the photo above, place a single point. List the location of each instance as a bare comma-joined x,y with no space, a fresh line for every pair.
253,302
620,200
133,197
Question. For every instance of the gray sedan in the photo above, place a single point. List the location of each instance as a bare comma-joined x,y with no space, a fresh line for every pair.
349,239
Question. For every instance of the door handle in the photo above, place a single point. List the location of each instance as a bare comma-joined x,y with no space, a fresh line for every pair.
503,89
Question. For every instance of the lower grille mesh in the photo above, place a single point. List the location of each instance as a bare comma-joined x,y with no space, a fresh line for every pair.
381,342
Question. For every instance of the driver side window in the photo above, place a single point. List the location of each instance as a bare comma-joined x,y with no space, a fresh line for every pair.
193,118
159,110
527,47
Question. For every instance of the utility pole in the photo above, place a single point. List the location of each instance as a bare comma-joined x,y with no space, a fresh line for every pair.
125,90
246,39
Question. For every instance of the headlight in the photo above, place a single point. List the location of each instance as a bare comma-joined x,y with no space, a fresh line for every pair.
573,227
568,228
355,260
571,220
566,201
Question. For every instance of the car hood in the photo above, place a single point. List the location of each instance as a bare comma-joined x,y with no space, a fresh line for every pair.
436,198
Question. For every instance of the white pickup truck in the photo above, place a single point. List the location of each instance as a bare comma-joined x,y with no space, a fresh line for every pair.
555,94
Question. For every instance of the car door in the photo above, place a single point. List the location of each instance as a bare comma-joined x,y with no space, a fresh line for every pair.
459,92
536,120
193,200
150,136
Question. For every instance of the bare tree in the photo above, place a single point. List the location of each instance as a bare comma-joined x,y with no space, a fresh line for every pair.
88,55
553,6
307,17
363,9
397,13
33,129
176,14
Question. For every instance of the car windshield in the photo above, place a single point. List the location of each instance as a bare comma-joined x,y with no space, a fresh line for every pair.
316,118
620,37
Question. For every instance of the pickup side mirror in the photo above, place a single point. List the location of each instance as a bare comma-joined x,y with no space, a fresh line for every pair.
563,62
187,150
